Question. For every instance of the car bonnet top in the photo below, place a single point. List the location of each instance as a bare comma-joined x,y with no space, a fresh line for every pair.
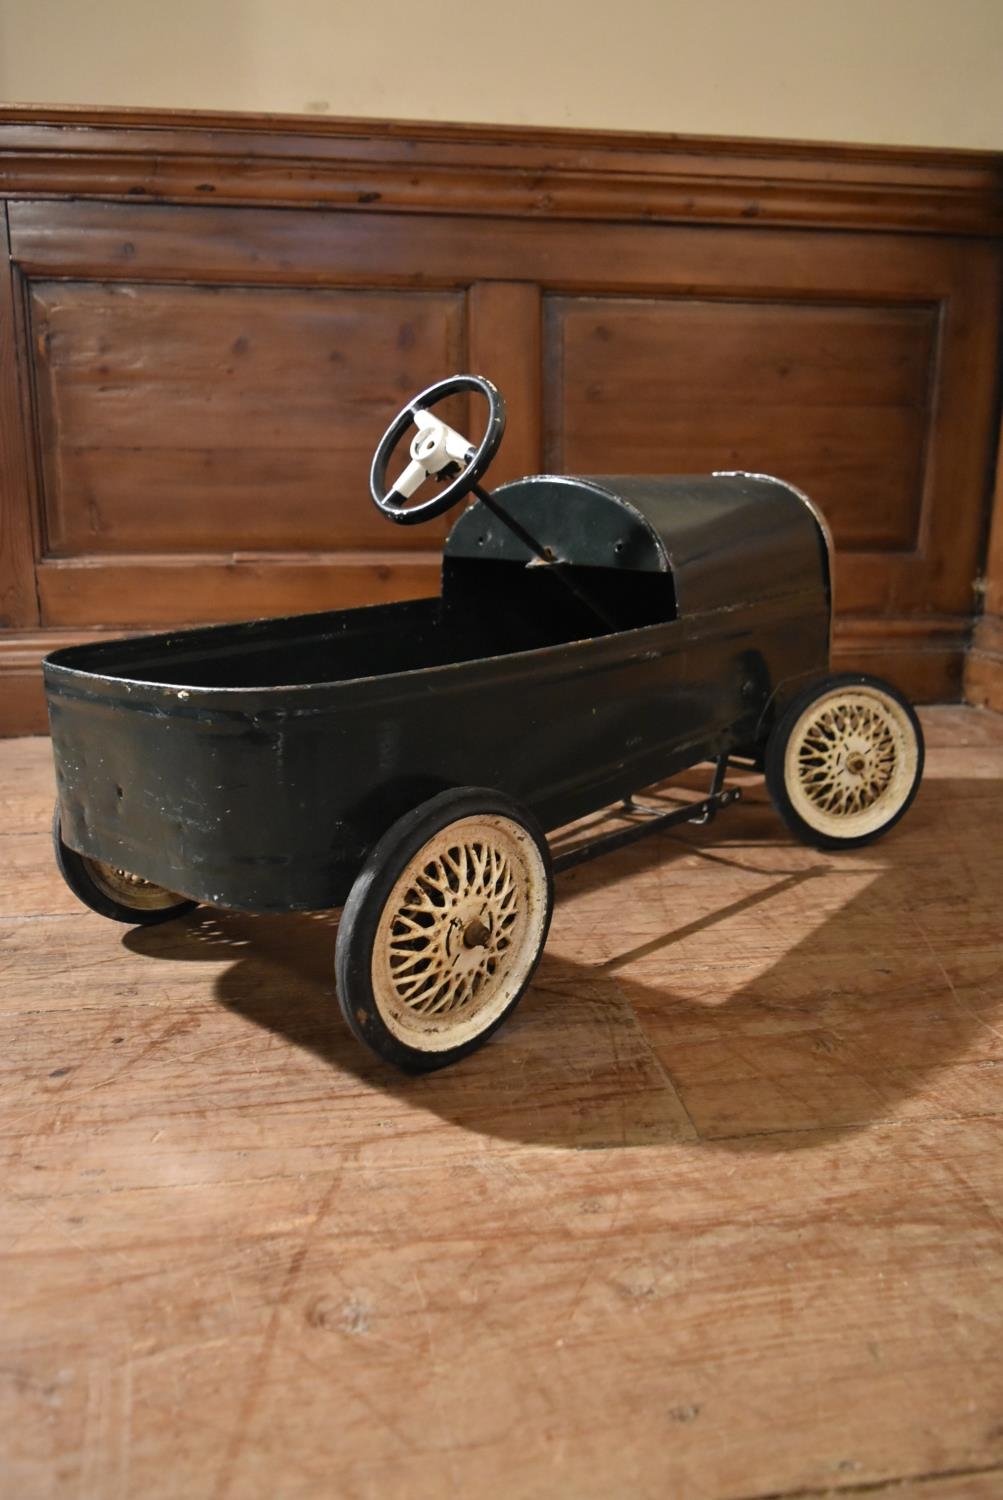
724,538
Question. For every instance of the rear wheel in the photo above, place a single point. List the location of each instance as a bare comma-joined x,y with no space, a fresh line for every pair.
844,761
114,893
443,928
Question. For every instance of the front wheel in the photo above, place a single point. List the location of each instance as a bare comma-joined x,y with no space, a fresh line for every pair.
115,893
844,761
443,928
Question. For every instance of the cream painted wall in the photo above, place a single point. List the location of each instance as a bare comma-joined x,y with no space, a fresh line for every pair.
914,72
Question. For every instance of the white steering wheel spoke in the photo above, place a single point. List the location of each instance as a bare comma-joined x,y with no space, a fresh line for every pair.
459,448
434,447
411,479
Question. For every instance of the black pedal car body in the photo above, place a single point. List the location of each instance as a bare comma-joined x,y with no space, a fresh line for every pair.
593,635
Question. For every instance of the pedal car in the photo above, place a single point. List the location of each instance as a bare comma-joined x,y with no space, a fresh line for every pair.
405,761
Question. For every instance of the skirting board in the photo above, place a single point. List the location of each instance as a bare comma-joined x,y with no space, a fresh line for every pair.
984,665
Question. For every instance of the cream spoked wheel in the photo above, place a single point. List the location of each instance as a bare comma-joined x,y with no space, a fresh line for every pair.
115,893
458,935
128,890
844,762
442,941
850,759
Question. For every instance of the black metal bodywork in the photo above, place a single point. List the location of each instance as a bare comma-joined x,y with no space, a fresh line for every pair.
253,766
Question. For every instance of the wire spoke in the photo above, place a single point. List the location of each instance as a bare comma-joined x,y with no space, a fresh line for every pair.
451,935
848,756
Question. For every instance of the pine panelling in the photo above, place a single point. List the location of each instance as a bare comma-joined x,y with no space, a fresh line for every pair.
984,665
832,398
262,246
181,419
217,316
134,591
463,170
18,602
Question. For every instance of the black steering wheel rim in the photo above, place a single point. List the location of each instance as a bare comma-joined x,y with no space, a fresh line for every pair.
464,482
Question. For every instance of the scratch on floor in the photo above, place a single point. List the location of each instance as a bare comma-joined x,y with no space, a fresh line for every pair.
259,1369
967,1009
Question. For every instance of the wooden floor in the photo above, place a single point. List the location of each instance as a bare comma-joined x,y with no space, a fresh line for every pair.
719,1213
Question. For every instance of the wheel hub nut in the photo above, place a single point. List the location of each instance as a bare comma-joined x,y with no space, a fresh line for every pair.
475,934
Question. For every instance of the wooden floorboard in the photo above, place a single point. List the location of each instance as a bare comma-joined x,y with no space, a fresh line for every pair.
719,1213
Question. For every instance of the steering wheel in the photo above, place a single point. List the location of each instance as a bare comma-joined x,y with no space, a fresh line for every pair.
436,450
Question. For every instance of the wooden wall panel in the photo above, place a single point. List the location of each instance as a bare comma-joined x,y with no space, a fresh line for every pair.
984,664
18,598
205,327
210,245
833,398
397,166
194,419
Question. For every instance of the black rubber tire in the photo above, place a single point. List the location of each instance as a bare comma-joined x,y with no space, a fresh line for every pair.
776,750
76,871
364,908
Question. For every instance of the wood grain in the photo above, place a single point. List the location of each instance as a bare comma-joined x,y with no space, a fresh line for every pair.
505,343
18,602
131,592
181,243
152,243
415,166
718,1213
834,399
219,314
984,665
189,419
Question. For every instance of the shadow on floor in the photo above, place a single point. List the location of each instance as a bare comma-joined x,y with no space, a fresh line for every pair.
839,1033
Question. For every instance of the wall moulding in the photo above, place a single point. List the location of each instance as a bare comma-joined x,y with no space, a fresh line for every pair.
420,167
